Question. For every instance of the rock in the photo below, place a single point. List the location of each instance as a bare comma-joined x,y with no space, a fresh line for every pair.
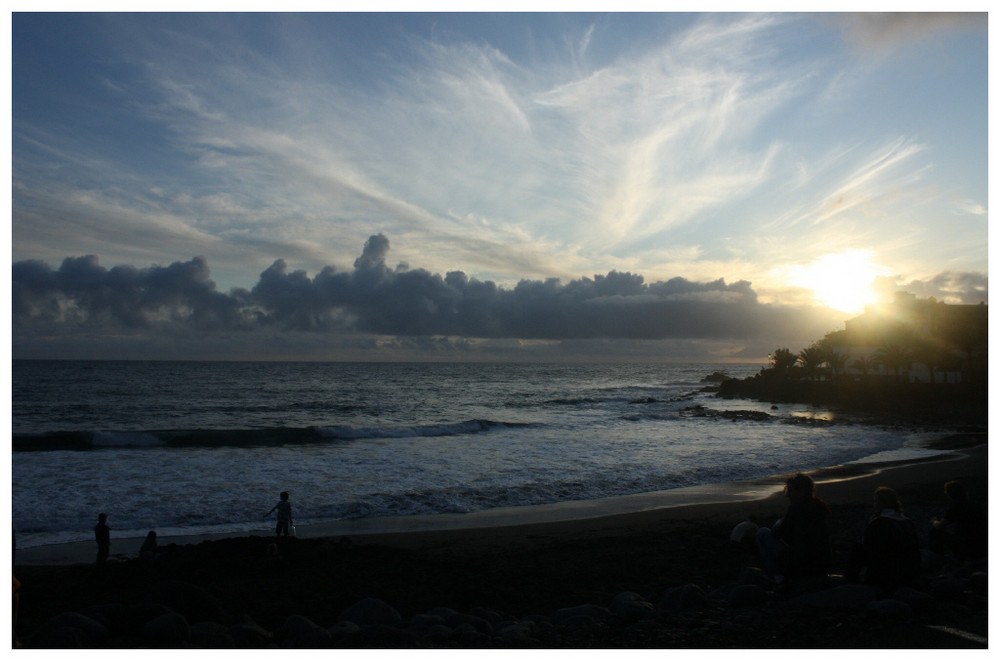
192,601
93,632
890,608
381,636
131,618
477,623
467,635
211,635
247,635
300,632
748,596
340,631
430,628
70,630
58,638
582,615
979,583
167,631
854,596
370,612
683,598
487,614
949,589
110,615
630,606
918,601
755,576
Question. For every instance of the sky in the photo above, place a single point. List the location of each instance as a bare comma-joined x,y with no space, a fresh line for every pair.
546,186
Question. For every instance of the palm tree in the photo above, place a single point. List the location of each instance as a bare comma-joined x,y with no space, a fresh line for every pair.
812,359
837,362
783,359
864,364
895,357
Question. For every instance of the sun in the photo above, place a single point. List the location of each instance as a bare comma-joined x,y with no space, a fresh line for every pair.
842,281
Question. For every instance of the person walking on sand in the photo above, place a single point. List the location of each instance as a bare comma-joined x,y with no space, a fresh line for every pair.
102,533
798,545
284,508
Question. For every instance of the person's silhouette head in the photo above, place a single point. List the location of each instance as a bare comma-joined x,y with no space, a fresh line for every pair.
799,487
887,499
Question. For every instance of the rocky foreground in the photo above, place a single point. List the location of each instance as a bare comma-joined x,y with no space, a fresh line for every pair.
673,584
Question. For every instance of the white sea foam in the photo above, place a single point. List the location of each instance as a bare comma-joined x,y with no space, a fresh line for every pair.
422,440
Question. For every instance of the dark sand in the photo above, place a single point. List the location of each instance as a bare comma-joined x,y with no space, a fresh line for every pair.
532,568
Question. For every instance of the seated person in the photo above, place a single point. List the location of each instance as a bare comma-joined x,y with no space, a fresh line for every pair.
149,549
963,530
888,556
798,545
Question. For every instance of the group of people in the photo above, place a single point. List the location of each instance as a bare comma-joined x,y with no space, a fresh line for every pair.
150,550
888,555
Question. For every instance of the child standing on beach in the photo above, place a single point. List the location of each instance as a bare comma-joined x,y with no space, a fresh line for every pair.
103,535
284,508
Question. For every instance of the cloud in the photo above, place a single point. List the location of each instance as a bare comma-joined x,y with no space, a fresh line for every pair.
954,288
411,309
884,31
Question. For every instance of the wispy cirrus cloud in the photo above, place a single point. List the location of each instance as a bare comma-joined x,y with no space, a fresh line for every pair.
701,146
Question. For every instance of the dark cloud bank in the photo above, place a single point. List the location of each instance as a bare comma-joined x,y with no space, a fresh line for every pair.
85,310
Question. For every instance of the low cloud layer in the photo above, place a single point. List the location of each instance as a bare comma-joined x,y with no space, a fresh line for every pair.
411,307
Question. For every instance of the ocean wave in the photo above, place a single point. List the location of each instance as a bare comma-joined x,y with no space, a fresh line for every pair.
273,437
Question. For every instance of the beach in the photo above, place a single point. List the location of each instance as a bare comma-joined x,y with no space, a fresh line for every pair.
518,566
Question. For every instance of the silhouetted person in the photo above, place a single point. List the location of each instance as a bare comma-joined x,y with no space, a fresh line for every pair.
744,533
284,508
798,545
888,556
102,533
963,530
149,549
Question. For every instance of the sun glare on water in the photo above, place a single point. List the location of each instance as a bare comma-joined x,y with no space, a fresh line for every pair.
842,281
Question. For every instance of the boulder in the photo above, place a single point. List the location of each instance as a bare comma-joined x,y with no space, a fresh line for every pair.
755,576
247,635
467,635
890,608
683,599
853,596
582,615
211,635
192,601
918,601
370,612
93,632
300,632
747,596
341,631
979,583
167,631
380,636
630,606
949,589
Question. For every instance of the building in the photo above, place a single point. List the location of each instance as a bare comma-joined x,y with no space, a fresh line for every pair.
922,340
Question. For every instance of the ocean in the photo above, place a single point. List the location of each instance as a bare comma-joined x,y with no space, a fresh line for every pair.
206,447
